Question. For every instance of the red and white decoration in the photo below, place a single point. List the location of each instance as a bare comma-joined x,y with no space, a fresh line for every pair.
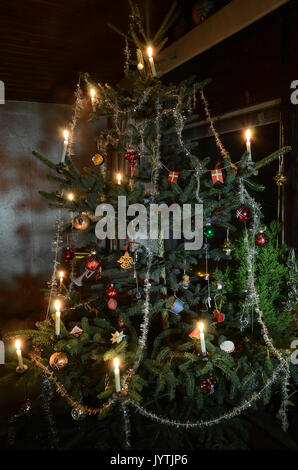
216,175
173,177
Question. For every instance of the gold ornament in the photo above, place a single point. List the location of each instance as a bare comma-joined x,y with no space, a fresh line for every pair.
58,361
280,179
98,159
117,337
126,261
227,247
81,222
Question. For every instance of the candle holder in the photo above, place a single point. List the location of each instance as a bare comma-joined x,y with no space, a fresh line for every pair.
56,338
22,370
204,357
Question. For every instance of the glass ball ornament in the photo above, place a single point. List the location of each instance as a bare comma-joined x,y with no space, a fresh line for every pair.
111,291
81,222
280,179
68,254
92,262
261,239
77,415
58,361
112,304
209,231
243,213
208,385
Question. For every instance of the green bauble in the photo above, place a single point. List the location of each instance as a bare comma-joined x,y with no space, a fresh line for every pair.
209,231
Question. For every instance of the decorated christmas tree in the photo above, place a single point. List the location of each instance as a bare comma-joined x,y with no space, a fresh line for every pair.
179,331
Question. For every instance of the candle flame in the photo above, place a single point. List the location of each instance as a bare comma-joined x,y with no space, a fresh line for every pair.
61,277
149,52
140,66
70,196
92,94
116,363
201,327
57,305
119,178
18,344
248,135
66,135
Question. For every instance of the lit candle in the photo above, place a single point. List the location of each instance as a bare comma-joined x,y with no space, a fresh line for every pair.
119,178
248,144
202,338
70,197
61,276
57,317
151,61
19,354
92,94
117,375
65,145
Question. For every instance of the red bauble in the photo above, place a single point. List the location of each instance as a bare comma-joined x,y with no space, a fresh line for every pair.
243,213
112,291
68,254
219,316
131,155
92,262
261,239
112,304
208,385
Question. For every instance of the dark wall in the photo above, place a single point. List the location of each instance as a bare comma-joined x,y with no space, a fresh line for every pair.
27,224
254,66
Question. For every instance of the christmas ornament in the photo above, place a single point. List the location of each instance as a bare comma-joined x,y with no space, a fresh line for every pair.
209,231
126,261
219,316
81,222
111,291
78,281
117,337
261,238
138,296
122,324
60,167
208,385
195,333
227,247
112,304
227,346
76,331
92,262
243,213
131,155
219,284
98,159
174,305
173,177
185,281
58,361
77,415
280,179
216,175
68,254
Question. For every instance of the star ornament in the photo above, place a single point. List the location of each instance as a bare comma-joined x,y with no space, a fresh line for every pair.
117,337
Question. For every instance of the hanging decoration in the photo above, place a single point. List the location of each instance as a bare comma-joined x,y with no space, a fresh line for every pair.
112,304
261,239
209,231
216,175
58,361
98,159
93,263
208,385
77,415
76,331
126,261
243,213
174,305
227,346
185,282
131,155
68,254
219,285
173,177
112,292
117,337
81,222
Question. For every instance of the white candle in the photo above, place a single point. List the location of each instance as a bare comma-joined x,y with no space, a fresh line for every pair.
65,145
92,94
117,375
70,197
151,61
57,317
19,354
202,338
248,143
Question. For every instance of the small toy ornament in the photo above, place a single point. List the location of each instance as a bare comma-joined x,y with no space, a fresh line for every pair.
208,385
81,222
111,291
219,284
117,337
58,361
261,238
98,159
131,155
185,281
280,179
112,304
219,316
76,331
68,254
216,175
209,231
174,305
77,415
126,261
227,247
227,346
173,177
243,213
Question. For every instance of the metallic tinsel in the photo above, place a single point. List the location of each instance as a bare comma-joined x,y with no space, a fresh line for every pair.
46,396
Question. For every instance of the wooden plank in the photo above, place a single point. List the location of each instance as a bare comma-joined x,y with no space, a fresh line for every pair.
231,19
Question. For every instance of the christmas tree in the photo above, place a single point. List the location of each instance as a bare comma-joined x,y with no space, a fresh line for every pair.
173,333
